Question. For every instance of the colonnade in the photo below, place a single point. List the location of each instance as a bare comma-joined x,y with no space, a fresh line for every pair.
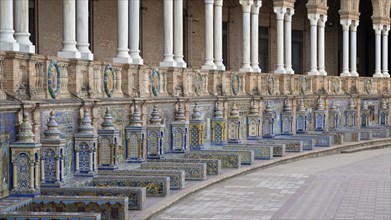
14,35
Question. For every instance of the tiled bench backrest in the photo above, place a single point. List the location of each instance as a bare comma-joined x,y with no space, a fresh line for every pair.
260,152
193,171
213,166
228,160
246,157
156,186
49,215
136,195
177,177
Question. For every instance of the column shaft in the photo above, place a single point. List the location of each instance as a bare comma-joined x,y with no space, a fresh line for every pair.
378,28
57,170
385,51
218,35
91,162
77,158
209,64
134,32
314,43
69,49
7,40
82,30
122,34
246,67
32,182
168,56
178,34
321,43
288,41
255,35
36,174
15,174
42,170
22,34
280,12
353,48
345,66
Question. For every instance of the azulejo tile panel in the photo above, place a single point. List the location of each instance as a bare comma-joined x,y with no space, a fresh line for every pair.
260,152
213,166
193,171
50,215
228,160
7,135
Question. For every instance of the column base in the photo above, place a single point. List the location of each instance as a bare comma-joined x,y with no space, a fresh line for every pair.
209,66
246,69
137,61
87,56
7,46
122,60
386,74
219,65
181,64
69,54
322,72
27,48
313,72
378,74
354,73
280,70
345,73
289,70
256,69
168,63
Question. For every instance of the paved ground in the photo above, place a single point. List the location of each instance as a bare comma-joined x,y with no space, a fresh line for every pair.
344,186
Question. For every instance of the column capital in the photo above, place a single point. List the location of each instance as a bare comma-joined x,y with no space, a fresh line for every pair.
378,28
280,12
246,5
345,24
289,13
209,1
256,6
218,3
385,30
313,19
354,25
322,20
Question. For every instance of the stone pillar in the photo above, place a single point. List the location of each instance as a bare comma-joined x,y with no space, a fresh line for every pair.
246,6
62,168
134,32
254,35
57,169
168,56
353,48
36,174
345,27
32,181
77,158
15,174
69,49
385,31
288,40
218,35
209,64
7,40
42,170
314,43
91,161
321,43
178,34
378,29
22,34
122,34
280,12
82,30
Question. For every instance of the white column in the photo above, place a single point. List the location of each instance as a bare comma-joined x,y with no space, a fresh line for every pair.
77,158
378,29
345,27
321,43
209,64
178,34
7,40
91,162
134,32
218,35
57,169
32,182
42,170
254,35
353,48
288,40
122,33
385,50
280,12
69,49
22,34
314,43
82,30
246,6
168,56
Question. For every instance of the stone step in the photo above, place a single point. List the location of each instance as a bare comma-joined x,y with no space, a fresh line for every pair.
293,143
193,171
260,152
228,159
136,195
363,148
177,177
213,166
156,186
49,215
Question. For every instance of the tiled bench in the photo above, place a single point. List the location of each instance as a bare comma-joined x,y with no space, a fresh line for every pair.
279,149
156,186
193,171
213,166
49,215
110,208
260,152
228,159
321,139
292,144
177,177
246,157
136,195
380,132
